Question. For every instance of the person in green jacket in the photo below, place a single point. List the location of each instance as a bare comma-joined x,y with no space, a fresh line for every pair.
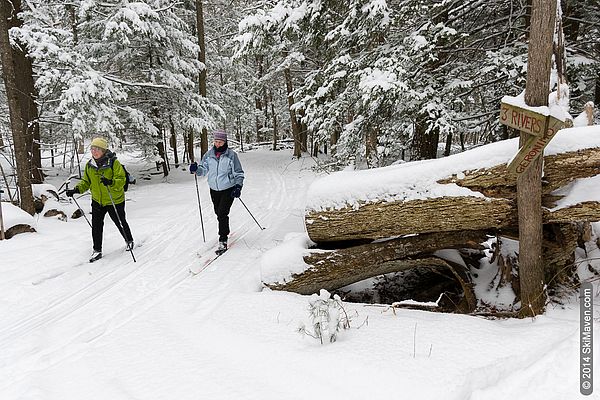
104,176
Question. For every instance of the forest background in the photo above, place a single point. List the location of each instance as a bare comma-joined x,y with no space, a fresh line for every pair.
367,82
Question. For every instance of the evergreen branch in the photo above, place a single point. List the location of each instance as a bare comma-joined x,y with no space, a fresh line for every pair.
135,84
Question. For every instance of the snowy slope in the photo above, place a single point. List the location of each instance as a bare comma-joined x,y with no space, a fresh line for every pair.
148,330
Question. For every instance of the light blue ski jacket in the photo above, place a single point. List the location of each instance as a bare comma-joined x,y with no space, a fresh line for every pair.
223,172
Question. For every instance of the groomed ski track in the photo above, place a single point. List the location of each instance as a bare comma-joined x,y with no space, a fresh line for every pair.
59,313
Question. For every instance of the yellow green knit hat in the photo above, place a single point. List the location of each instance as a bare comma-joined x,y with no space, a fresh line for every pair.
100,142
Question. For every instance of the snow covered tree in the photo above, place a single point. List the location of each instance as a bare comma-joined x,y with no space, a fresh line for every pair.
18,125
261,42
402,75
117,68
582,35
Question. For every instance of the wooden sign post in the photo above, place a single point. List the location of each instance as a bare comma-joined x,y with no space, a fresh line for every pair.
541,130
522,119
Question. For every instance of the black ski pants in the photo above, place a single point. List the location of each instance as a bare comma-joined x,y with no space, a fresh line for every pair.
222,202
98,214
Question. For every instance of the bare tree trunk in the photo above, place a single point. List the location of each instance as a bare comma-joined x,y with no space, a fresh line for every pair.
303,131
203,141
201,77
257,121
173,142
17,124
266,109
424,143
294,121
27,96
529,183
527,16
161,152
333,139
448,148
274,116
258,100
163,132
189,145
64,162
371,147
185,151
240,132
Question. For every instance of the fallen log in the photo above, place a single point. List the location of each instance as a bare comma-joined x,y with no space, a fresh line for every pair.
559,170
335,269
587,211
313,281
384,220
17,229
411,209
440,214
14,220
438,197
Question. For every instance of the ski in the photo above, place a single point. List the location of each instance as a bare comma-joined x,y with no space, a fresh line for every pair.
210,260
52,275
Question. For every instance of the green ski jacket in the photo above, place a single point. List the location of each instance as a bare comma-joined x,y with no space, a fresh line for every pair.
109,167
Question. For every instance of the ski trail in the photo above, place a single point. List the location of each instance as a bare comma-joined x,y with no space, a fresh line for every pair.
72,345
112,280
84,302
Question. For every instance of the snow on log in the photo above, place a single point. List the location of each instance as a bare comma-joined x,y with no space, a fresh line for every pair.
62,211
41,193
15,220
559,170
439,196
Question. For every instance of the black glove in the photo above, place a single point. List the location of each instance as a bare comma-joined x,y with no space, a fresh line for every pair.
71,192
237,191
193,167
106,181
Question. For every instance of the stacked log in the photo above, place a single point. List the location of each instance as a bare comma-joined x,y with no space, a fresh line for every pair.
406,234
496,211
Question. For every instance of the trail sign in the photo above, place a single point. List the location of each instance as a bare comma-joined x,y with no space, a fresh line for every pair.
524,120
534,146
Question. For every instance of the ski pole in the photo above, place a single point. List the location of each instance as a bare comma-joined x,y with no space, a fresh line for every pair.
120,223
261,228
78,206
199,207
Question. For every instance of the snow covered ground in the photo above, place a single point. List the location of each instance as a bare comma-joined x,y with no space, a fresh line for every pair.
121,330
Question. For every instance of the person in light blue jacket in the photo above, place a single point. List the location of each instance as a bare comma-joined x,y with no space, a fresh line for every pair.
225,179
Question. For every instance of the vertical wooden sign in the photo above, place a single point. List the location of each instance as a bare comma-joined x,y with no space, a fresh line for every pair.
534,146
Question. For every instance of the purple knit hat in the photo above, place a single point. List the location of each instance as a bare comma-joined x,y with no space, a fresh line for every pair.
220,135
